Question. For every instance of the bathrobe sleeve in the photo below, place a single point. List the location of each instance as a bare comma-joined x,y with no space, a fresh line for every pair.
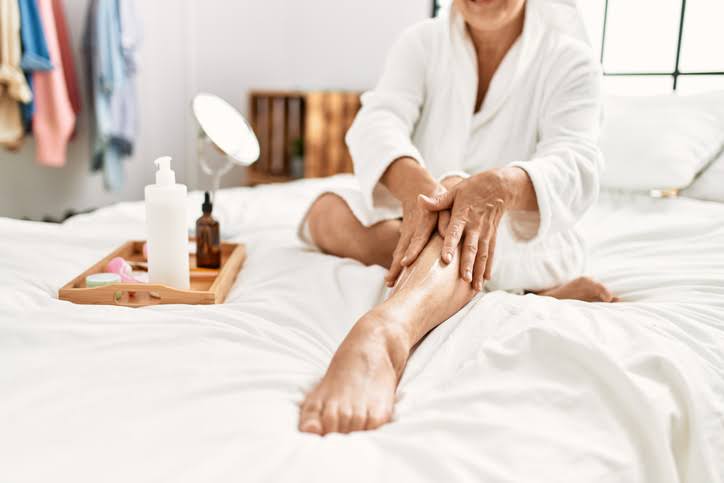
567,164
382,130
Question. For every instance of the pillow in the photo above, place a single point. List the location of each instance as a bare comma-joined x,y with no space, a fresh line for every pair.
710,183
660,142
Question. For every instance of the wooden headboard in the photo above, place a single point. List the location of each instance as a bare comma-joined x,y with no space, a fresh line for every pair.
307,124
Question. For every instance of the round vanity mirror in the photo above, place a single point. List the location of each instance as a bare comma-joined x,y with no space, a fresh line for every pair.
226,128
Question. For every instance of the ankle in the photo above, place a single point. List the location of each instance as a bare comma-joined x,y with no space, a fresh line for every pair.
387,331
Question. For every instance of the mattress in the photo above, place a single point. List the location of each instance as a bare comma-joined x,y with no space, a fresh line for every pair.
511,389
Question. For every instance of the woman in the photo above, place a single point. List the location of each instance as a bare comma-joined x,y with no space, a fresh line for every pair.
481,137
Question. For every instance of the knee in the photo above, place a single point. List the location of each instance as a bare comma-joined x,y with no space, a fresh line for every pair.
324,219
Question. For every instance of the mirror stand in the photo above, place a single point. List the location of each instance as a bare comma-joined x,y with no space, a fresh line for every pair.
214,169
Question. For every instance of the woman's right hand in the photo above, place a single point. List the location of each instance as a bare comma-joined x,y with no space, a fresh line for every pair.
418,224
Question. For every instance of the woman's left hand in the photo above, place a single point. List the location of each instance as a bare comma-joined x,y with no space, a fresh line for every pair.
476,205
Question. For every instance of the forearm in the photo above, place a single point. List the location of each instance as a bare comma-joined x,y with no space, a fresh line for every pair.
406,178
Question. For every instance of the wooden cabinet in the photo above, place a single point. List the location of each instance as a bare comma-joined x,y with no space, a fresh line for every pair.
301,133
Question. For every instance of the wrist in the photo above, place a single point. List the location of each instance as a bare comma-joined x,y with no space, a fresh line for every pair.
512,181
406,179
408,196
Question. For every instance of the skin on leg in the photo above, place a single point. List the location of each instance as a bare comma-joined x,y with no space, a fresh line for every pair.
581,288
336,231
358,390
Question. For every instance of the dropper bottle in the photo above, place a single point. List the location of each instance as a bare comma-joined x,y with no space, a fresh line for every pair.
208,244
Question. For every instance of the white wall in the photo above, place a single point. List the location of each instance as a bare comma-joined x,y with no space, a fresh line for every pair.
221,46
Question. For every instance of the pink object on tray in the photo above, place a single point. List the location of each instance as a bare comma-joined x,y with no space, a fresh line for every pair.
121,267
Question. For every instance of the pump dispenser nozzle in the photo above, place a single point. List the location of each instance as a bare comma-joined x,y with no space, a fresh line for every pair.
164,174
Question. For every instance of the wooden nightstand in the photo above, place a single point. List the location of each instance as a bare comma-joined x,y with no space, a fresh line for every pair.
301,134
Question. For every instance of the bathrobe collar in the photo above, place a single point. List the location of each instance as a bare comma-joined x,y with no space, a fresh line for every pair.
541,18
513,66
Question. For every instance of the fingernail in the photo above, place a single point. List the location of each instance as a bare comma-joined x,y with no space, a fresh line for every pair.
468,275
404,260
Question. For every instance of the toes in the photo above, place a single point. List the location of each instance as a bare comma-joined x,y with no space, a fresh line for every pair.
377,416
602,292
344,418
358,420
311,425
330,417
310,418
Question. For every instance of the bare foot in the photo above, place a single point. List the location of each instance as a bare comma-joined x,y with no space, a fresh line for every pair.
358,390
582,288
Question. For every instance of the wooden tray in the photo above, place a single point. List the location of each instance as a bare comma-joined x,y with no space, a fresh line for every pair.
208,285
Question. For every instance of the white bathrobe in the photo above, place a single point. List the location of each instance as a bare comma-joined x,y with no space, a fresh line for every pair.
541,113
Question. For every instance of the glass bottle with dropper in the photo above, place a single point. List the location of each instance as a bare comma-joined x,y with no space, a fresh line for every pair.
208,243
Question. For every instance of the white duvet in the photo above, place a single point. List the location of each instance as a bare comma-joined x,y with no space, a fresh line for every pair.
511,389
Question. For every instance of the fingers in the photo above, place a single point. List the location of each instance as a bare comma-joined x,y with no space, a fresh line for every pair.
493,238
396,265
453,234
486,246
439,202
418,241
468,252
443,220
481,260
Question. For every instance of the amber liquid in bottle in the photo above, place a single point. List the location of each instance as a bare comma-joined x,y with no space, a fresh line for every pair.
208,243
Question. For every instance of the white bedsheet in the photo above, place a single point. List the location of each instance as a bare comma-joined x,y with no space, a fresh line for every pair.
511,389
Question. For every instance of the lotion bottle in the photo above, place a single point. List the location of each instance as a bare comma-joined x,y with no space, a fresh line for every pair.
168,253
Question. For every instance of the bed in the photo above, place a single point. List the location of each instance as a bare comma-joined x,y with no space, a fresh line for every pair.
514,388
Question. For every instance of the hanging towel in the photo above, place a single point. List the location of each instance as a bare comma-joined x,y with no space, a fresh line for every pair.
13,87
35,51
54,119
66,56
112,35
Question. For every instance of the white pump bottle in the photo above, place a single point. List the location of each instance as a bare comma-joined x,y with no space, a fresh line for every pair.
168,253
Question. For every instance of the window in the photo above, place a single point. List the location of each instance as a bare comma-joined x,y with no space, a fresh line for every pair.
655,46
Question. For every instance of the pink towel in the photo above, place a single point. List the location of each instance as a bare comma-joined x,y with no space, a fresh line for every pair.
66,55
54,119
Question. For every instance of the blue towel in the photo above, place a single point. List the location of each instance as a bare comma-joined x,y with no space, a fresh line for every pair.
35,51
110,41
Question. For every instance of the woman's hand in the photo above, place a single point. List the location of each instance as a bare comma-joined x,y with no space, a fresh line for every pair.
418,223
476,205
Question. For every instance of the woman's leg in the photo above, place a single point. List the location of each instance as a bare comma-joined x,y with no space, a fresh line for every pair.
358,389
581,288
336,231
